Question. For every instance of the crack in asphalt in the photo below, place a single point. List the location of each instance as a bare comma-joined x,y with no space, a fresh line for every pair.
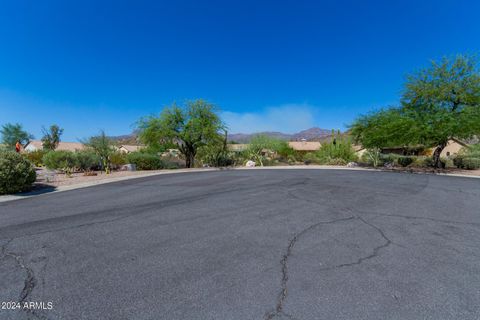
30,280
284,262
374,254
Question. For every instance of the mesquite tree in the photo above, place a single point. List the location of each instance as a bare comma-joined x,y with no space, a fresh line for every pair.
51,137
189,127
438,103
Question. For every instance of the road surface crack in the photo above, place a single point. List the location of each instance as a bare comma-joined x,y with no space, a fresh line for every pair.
30,280
284,263
374,254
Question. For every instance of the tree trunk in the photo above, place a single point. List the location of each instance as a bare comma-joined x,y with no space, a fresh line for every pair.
436,155
189,159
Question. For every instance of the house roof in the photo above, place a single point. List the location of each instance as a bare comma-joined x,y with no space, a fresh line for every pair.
64,146
237,147
305,145
460,142
70,146
130,148
37,144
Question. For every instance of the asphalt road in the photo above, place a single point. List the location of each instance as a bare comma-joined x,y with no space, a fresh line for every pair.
247,244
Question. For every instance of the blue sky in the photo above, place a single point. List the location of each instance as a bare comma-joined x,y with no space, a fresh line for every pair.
269,65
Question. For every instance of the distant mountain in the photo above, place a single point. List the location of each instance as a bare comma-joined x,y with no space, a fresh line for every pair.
246,137
128,139
312,134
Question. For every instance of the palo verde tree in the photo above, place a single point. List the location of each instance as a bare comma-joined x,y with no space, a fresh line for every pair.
438,103
188,127
51,137
11,133
103,148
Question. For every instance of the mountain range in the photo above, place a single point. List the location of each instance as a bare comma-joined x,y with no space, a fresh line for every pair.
312,134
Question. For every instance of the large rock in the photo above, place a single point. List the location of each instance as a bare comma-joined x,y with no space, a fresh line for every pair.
250,164
128,167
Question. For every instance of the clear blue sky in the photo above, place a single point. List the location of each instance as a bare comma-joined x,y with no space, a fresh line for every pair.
270,65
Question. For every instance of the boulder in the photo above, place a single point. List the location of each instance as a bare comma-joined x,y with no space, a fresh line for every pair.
128,167
250,164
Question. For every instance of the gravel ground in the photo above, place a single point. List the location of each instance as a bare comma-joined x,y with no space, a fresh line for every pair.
54,179
51,178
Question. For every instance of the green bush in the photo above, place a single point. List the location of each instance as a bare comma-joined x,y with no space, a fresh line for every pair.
284,151
336,162
60,160
404,161
16,173
390,158
215,155
291,159
338,148
469,163
86,160
372,157
468,158
118,159
447,162
35,157
145,161
311,158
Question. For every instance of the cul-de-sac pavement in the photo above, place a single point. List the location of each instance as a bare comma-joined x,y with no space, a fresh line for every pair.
247,244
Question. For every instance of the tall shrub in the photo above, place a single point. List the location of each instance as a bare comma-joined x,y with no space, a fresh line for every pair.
145,161
60,160
16,173
338,151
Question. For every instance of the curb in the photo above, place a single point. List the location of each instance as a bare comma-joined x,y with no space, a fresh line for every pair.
26,195
30,194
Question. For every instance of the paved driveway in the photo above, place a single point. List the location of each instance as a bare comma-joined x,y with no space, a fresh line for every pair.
258,244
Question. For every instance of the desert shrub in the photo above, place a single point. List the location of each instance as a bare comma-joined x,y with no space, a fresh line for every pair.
171,165
311,158
336,162
118,159
421,161
458,161
283,150
447,162
372,157
427,162
291,159
468,158
103,147
404,161
145,161
60,160
86,160
35,157
466,162
215,155
338,148
258,147
471,163
16,173
390,158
